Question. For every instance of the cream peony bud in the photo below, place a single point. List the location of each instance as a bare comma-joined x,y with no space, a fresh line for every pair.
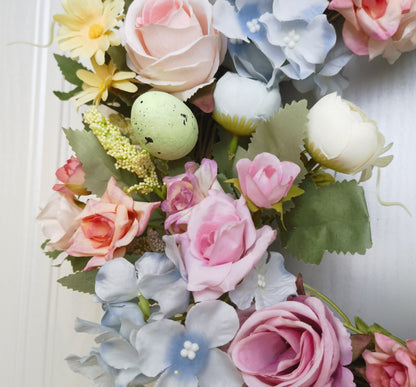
240,103
341,137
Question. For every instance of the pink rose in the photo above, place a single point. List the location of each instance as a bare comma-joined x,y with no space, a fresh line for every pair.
172,45
266,180
72,175
391,365
108,225
293,343
186,190
59,220
221,245
385,27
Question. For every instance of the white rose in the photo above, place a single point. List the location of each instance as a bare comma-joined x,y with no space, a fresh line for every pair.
341,137
59,221
240,103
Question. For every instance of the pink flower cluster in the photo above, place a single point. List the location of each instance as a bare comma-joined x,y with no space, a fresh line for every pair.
383,27
101,230
392,364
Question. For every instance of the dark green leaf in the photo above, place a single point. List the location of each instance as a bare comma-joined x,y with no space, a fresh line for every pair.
127,5
99,166
63,96
51,254
78,263
331,218
220,150
118,56
82,281
68,68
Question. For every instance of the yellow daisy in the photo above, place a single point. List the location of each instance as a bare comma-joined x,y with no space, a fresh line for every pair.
86,27
96,85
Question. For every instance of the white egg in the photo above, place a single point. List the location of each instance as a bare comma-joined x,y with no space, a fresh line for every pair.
163,125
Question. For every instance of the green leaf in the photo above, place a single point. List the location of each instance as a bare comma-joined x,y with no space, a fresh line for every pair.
68,68
82,281
99,166
63,96
51,254
78,263
361,325
283,135
127,5
220,150
118,56
331,218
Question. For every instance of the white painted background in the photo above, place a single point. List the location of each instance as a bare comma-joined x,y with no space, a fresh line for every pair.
37,314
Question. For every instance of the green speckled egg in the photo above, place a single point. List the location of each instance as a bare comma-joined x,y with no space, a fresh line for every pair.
163,125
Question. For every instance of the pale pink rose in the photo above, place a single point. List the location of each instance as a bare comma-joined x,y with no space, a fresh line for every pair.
293,343
392,364
172,45
266,180
221,245
385,27
108,225
59,221
186,190
72,175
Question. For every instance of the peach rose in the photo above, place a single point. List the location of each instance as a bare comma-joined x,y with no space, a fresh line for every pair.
72,175
59,220
108,225
172,44
385,27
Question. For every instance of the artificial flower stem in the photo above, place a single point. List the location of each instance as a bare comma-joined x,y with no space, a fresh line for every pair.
333,305
144,307
231,153
158,192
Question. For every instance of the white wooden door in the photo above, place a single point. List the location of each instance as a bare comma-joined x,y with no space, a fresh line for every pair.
37,314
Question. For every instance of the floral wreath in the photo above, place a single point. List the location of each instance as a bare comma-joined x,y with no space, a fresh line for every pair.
191,181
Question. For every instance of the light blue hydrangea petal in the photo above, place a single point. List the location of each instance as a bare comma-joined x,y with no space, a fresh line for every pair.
169,378
188,368
249,15
152,343
120,354
160,280
225,20
316,41
280,284
128,314
173,253
335,62
215,320
250,62
220,371
132,378
243,294
91,328
298,67
262,5
89,367
285,10
116,281
328,85
273,53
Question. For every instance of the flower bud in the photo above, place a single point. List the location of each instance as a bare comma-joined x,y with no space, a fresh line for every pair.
341,137
240,103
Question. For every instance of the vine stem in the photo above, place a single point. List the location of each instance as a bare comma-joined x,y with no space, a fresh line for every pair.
231,153
347,323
